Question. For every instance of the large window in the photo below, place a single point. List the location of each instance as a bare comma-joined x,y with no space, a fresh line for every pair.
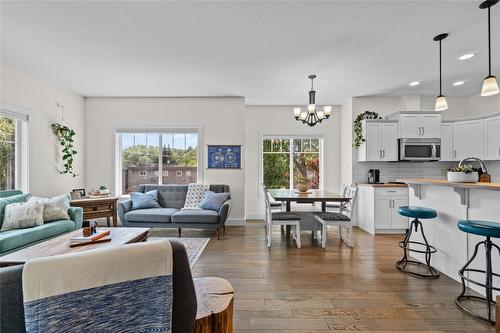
13,151
166,157
286,160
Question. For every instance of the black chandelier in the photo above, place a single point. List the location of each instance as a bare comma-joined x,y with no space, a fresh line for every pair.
311,116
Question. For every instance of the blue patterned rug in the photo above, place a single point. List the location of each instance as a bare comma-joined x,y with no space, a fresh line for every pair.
194,246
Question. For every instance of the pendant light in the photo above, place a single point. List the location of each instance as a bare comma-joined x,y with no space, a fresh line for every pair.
490,85
440,100
312,115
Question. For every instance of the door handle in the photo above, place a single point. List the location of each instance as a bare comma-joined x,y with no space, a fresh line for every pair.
454,154
498,151
423,131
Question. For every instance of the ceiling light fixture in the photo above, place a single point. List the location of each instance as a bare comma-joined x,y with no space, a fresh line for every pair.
440,100
467,56
312,116
458,83
490,85
414,83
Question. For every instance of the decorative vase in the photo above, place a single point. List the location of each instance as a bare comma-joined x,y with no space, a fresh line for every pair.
302,188
103,192
462,177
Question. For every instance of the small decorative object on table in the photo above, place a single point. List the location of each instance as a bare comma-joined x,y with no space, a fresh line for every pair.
462,174
302,184
99,237
77,193
103,190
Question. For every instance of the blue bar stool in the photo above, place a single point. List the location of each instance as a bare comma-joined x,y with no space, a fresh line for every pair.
489,230
404,264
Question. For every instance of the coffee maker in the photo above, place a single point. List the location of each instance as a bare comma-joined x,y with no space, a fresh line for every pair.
373,176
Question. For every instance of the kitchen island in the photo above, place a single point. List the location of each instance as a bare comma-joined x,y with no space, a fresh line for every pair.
453,202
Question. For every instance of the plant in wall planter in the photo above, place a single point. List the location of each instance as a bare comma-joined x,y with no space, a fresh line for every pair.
66,135
358,129
462,174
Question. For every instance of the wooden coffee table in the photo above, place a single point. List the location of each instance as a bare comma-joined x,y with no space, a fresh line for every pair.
60,245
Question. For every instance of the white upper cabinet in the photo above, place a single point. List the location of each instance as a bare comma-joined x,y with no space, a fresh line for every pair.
468,139
492,138
447,151
420,125
381,141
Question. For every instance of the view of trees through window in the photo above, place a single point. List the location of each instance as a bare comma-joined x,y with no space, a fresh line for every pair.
141,154
286,160
7,153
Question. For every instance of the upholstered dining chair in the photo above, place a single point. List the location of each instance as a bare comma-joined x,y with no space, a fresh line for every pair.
342,219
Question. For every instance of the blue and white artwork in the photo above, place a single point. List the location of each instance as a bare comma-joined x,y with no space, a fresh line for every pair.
224,157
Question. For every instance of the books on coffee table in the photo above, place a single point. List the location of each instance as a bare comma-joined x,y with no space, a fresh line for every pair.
92,238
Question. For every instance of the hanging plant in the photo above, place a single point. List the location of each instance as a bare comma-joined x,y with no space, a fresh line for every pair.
358,129
65,135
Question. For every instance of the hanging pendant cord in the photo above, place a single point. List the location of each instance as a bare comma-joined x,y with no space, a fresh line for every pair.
440,71
489,43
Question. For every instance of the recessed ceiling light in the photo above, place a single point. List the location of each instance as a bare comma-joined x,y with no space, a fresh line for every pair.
414,83
458,83
467,56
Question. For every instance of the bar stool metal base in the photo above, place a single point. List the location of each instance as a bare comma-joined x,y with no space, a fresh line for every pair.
488,285
404,264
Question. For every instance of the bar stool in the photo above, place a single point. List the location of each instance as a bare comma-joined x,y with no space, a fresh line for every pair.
489,230
417,213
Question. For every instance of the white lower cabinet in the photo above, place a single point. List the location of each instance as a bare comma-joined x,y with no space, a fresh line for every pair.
378,209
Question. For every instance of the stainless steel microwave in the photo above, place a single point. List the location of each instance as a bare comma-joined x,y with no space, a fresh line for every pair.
419,149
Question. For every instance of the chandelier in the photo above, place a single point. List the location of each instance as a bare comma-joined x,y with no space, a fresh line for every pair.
312,116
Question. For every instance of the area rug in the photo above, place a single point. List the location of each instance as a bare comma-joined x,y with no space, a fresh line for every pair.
194,246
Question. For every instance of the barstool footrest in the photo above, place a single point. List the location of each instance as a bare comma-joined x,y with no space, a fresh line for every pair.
470,312
402,266
432,249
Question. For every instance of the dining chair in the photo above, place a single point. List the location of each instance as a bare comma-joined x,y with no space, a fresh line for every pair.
339,218
281,219
336,206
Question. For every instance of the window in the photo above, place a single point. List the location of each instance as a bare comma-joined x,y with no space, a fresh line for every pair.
148,157
13,150
285,160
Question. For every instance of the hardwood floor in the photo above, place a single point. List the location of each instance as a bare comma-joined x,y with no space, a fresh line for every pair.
285,289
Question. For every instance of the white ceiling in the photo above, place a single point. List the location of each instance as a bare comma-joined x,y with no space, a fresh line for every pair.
261,50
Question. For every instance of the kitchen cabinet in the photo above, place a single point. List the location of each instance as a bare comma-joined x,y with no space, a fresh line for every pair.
381,141
420,126
492,138
377,210
468,139
447,142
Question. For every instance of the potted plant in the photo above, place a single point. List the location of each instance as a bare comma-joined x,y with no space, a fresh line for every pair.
302,183
462,174
103,190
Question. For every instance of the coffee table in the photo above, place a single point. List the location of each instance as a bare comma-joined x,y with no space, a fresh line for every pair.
60,245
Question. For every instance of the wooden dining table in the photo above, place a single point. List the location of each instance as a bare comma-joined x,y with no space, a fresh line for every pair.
311,196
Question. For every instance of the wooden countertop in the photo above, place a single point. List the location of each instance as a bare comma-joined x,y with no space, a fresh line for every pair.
383,185
443,182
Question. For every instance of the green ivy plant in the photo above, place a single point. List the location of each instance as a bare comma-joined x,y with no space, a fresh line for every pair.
358,129
66,139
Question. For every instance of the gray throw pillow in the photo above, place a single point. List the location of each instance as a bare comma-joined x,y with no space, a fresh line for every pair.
144,200
213,201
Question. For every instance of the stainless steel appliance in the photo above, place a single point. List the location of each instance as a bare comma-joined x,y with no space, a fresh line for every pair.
419,149
373,176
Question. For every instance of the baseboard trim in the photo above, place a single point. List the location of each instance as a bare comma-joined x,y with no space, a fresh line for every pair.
236,222
255,216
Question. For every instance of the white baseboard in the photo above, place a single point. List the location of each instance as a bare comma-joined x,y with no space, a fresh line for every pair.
236,222
255,216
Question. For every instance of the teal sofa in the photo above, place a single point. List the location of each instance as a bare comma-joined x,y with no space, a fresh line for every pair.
13,240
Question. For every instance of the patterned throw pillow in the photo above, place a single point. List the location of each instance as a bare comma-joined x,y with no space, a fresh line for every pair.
144,200
55,208
22,215
194,196
214,201
8,200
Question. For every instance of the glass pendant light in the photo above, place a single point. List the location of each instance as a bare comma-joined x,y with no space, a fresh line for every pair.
441,103
490,85
312,116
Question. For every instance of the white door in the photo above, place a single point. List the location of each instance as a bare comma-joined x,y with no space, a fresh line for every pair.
383,213
410,126
399,221
468,139
373,147
447,142
492,138
430,126
389,141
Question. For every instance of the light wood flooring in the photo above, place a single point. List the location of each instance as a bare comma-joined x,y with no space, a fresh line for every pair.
285,289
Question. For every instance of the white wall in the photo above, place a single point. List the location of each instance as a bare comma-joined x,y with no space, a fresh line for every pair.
346,135
40,97
222,120
278,120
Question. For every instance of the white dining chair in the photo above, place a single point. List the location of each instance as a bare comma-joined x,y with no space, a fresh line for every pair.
342,219
336,206
281,219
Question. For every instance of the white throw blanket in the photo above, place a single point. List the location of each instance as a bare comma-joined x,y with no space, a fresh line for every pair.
119,289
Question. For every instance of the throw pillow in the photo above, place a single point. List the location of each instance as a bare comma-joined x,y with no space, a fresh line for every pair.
8,200
55,208
144,200
22,215
214,201
194,196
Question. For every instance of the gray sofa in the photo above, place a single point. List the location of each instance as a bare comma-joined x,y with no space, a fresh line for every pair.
184,296
171,199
